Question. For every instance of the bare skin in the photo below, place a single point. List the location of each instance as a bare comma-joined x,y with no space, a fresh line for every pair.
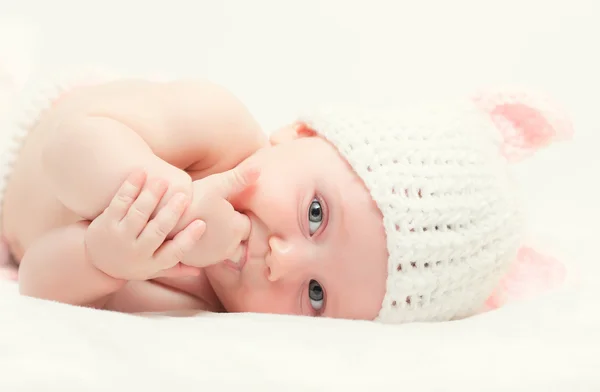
304,237
177,131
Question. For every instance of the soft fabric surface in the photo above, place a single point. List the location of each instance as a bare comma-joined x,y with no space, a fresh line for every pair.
545,346
279,56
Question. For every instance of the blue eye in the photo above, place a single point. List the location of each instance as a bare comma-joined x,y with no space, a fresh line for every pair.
315,294
315,216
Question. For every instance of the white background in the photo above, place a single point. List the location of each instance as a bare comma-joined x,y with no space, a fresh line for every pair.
279,56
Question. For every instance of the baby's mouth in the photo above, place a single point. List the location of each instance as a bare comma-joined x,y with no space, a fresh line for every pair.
238,260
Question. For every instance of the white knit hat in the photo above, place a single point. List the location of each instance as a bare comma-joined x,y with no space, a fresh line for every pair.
439,176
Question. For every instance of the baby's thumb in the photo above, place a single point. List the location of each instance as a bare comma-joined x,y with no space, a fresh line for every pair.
235,181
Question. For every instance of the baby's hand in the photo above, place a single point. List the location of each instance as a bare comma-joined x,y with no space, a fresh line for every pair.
125,243
226,229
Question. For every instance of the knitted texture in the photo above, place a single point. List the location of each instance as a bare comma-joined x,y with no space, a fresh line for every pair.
440,178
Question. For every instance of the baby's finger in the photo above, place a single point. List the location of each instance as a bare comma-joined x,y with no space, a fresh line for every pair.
242,226
234,181
142,208
157,230
172,252
126,195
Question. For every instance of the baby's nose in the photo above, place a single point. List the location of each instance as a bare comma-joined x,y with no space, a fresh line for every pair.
282,258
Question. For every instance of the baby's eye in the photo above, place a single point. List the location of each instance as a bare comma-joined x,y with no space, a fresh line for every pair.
315,216
315,294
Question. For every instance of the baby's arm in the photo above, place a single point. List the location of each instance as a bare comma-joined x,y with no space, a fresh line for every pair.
56,268
89,156
163,128
84,263
87,159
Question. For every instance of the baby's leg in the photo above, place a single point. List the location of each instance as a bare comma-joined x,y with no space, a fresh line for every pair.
88,158
56,268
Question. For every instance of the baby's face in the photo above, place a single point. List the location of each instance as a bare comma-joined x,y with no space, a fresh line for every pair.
317,245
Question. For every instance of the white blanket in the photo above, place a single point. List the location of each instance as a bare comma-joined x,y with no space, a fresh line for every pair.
549,345
278,56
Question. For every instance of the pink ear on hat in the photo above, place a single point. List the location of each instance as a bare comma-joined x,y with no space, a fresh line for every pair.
531,274
526,122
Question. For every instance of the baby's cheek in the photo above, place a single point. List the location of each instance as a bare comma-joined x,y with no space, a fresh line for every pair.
275,299
278,210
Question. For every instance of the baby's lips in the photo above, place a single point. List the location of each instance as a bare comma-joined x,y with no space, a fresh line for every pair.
236,257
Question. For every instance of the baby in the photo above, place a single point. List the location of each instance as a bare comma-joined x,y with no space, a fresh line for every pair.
141,196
